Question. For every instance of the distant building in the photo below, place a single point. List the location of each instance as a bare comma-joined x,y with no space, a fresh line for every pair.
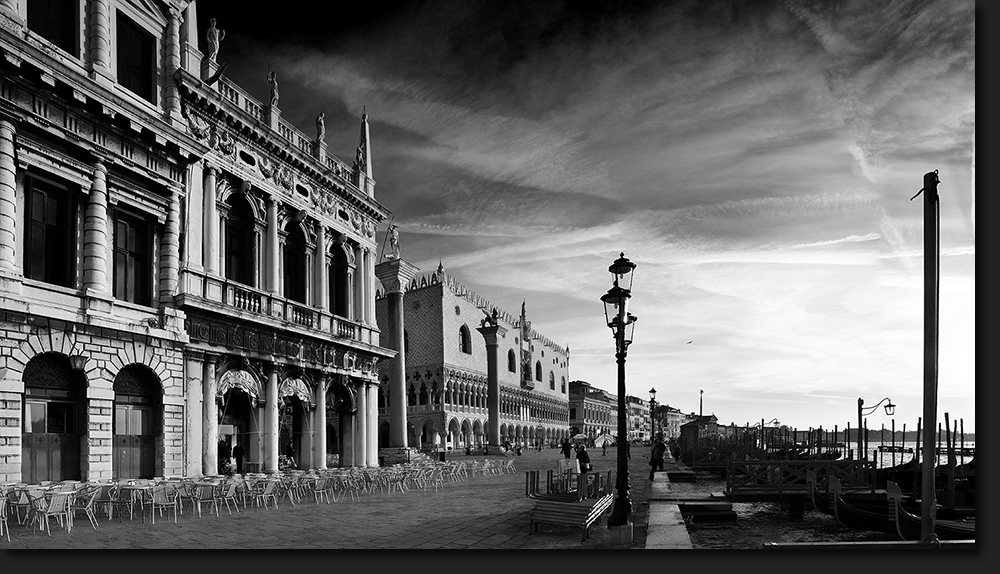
446,371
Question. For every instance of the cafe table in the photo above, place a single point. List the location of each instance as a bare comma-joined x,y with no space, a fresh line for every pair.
135,491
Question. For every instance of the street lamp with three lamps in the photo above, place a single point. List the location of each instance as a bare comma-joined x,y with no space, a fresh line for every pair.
622,324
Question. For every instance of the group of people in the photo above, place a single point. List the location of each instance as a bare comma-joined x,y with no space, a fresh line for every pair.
659,453
582,456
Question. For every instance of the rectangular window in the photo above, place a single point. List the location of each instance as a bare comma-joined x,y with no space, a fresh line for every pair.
56,21
133,260
34,417
136,62
49,249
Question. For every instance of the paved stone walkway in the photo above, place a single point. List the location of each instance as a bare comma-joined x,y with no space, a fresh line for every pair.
478,513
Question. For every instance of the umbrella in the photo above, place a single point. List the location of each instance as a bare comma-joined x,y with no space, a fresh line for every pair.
580,436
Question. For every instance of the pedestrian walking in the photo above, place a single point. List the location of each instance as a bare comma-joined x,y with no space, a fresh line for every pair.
566,448
604,446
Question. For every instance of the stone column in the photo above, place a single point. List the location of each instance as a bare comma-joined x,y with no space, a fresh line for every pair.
359,284
210,408
95,233
100,40
319,443
320,275
211,215
371,433
271,247
170,246
492,334
173,60
395,274
271,420
193,412
361,425
8,201
189,40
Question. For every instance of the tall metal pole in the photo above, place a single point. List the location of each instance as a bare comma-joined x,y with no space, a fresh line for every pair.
623,505
861,444
931,273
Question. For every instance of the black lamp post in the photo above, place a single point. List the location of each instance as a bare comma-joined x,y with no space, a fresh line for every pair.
890,409
622,324
652,413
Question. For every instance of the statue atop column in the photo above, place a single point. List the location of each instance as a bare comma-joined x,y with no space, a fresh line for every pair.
393,233
272,80
320,127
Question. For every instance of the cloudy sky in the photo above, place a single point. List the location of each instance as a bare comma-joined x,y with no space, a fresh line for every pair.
756,160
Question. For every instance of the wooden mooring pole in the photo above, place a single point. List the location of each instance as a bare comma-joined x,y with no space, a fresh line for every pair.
931,307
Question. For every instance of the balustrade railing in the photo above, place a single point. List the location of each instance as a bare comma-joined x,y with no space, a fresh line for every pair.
300,315
247,300
347,330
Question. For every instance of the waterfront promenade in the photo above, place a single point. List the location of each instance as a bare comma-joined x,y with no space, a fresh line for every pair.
479,513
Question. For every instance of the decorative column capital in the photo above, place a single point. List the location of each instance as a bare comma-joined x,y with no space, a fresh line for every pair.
395,274
492,334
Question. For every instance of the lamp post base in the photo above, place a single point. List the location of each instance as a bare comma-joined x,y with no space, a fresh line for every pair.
619,535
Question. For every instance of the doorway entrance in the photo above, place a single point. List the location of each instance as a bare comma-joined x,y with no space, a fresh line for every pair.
53,419
136,423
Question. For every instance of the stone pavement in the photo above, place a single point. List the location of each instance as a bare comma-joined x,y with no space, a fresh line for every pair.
478,513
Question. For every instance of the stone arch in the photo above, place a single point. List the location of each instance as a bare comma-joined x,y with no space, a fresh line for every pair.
52,341
143,354
294,386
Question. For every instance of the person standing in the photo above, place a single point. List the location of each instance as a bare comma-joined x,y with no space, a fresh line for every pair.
566,448
604,447
583,457
238,454
656,458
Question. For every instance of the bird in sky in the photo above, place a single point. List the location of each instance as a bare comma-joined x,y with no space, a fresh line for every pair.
689,342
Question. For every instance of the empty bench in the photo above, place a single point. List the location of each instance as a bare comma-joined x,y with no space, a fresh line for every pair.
582,513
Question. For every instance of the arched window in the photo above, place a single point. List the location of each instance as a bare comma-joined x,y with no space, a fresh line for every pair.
296,269
464,340
538,370
564,385
511,361
240,241
552,380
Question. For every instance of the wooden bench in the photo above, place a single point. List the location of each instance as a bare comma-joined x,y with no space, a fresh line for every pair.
584,513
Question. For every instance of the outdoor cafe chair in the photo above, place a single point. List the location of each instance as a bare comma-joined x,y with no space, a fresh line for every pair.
266,490
205,493
84,501
3,518
18,501
231,491
320,490
163,498
43,508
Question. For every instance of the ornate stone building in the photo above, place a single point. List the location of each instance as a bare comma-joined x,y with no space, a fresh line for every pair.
180,268
446,371
593,411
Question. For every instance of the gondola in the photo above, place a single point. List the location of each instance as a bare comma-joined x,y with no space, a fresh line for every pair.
824,502
872,515
908,525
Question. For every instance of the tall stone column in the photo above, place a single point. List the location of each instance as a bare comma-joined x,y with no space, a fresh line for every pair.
371,389
193,412
210,422
95,233
211,214
8,188
361,425
319,444
271,248
320,276
99,37
271,420
492,333
173,41
395,275
170,249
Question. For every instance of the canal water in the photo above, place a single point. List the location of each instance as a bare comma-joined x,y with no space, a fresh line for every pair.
762,522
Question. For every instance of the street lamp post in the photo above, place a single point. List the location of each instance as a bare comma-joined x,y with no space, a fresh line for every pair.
622,324
652,413
863,410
